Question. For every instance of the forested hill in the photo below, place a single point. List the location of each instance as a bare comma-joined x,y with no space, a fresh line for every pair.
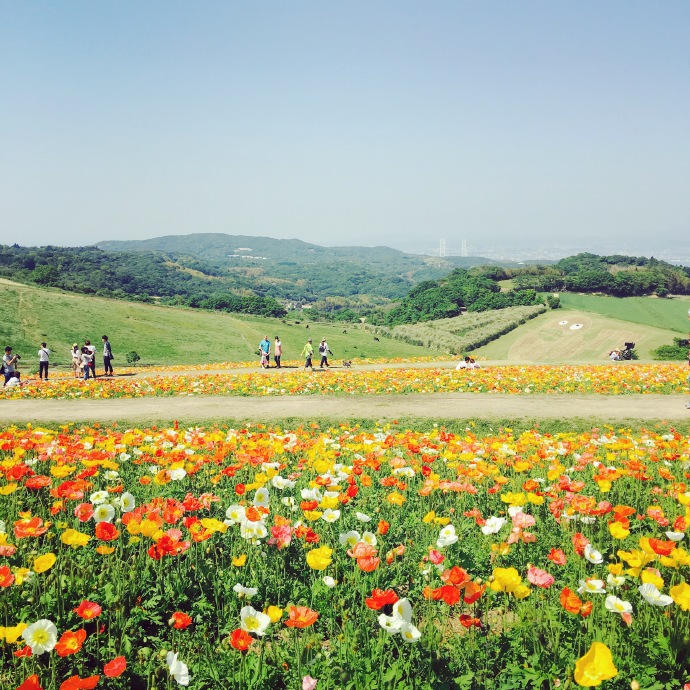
247,282
621,276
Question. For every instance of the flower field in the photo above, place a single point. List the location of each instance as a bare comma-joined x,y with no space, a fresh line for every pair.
344,557
521,380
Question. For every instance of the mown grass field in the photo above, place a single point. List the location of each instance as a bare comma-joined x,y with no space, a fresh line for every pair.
668,314
546,339
164,335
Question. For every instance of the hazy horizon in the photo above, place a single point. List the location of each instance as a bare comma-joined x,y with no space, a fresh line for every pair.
389,123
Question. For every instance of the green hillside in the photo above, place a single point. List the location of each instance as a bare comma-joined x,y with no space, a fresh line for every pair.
163,335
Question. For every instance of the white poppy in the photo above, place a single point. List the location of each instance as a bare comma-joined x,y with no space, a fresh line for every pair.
653,596
178,670
253,621
613,603
493,525
41,636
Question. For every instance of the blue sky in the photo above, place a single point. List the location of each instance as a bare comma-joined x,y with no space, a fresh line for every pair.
352,122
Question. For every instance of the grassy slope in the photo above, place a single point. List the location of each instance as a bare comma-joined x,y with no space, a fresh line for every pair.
669,314
163,335
543,339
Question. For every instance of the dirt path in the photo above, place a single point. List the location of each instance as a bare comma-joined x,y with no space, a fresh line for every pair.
384,407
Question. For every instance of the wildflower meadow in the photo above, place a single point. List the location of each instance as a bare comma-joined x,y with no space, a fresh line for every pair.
343,557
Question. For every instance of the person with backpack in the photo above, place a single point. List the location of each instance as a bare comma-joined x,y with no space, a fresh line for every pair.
324,352
107,356
43,361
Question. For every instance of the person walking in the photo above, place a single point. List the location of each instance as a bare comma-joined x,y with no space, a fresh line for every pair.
75,353
308,353
107,356
43,361
277,351
324,352
9,362
265,351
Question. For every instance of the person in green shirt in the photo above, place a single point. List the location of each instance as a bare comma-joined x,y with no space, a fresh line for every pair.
308,353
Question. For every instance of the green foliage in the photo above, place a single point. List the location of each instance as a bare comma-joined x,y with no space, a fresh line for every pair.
448,297
622,276
133,358
678,351
136,276
553,302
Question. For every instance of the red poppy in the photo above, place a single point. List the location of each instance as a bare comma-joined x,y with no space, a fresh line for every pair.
31,683
240,640
380,598
24,652
88,610
579,543
70,642
301,617
473,592
83,512
106,531
557,556
455,576
368,564
468,621
77,683
6,577
115,668
662,547
180,620
38,481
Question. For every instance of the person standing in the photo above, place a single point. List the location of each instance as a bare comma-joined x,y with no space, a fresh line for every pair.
107,356
92,351
324,352
8,362
43,360
86,360
277,351
308,353
75,353
265,350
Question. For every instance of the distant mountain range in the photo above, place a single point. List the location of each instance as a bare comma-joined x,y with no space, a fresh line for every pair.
297,270
218,247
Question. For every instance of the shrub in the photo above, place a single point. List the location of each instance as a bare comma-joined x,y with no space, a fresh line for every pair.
133,357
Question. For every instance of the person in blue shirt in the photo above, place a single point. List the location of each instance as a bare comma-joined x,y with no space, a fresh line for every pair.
265,349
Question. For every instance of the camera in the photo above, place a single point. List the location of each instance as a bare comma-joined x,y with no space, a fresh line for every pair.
18,357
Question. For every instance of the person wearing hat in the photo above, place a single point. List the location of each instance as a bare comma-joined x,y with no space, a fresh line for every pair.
76,360
308,353
324,352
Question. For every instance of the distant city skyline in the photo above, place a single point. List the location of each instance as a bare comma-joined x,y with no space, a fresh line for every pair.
512,126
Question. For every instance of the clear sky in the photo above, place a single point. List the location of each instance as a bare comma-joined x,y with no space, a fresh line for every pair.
355,122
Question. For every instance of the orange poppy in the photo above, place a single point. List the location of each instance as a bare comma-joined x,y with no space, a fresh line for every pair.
70,642
301,617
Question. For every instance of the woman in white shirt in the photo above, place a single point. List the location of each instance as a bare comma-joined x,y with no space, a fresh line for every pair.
86,359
